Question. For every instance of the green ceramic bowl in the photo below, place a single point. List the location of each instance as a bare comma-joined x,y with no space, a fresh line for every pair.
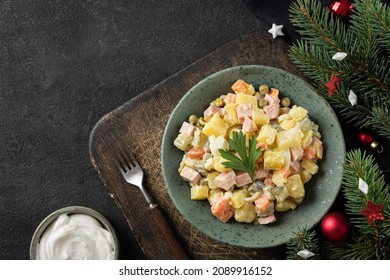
321,190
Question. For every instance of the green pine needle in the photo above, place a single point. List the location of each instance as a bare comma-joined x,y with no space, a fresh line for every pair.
247,157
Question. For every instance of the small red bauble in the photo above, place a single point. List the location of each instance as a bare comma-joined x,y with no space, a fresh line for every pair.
341,8
365,138
335,227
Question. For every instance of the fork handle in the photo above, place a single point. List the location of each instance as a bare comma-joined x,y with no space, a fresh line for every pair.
148,198
167,235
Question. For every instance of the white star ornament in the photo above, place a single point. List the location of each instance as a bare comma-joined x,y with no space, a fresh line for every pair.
276,30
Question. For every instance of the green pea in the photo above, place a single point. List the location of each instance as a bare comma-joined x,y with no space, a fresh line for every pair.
285,102
263,89
262,102
219,102
192,119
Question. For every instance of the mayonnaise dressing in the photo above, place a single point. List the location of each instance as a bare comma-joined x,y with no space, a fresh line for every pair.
76,237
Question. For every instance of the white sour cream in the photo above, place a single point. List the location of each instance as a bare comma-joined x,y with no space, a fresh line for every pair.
76,237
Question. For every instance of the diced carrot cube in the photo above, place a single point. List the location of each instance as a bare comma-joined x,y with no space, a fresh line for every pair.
262,203
222,209
308,153
196,153
274,92
240,86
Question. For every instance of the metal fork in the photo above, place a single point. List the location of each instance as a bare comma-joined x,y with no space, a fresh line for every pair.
169,245
133,174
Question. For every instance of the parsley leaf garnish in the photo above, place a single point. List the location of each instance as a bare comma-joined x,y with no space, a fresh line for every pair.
247,156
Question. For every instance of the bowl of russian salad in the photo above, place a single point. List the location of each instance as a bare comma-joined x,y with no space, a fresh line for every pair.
251,154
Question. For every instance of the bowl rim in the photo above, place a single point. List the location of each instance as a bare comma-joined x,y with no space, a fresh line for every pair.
247,67
46,222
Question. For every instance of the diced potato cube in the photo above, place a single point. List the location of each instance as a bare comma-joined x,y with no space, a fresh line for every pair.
231,117
306,124
199,192
273,160
214,195
218,166
209,164
210,178
258,116
291,138
305,176
216,126
284,117
238,198
307,138
217,143
295,186
199,139
310,166
278,178
287,124
243,98
298,113
266,135
183,142
285,205
246,213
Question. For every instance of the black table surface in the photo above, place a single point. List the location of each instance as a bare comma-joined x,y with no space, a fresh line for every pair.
65,64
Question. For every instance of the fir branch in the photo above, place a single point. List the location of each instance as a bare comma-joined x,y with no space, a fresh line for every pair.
359,248
361,23
303,239
380,117
365,69
370,241
318,25
380,16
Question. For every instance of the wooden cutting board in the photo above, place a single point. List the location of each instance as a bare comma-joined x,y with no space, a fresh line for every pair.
138,126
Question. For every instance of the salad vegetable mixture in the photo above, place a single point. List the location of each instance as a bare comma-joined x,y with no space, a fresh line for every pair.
250,154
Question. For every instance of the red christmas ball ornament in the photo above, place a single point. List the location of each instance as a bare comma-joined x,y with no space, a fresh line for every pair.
335,227
365,138
341,8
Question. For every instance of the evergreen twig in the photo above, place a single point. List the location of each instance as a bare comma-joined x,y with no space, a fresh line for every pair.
369,241
303,239
366,68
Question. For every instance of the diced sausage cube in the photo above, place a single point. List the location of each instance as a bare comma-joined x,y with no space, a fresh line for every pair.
295,167
225,180
260,173
249,125
187,128
272,110
212,109
296,153
190,175
244,110
230,98
242,179
271,99
267,220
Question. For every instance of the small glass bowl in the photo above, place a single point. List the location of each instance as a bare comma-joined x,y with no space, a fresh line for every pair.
71,210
